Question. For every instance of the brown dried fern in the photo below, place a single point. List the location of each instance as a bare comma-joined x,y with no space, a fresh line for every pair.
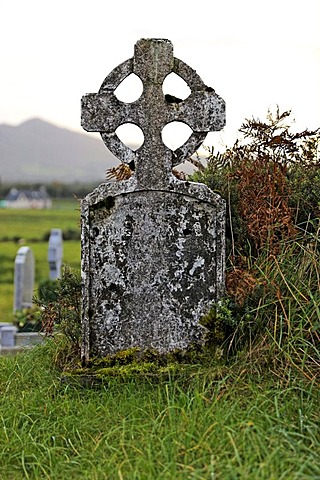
123,172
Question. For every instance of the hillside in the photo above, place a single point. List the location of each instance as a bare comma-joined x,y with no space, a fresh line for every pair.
37,151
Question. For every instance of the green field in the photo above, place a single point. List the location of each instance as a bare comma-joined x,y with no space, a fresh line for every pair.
31,227
33,224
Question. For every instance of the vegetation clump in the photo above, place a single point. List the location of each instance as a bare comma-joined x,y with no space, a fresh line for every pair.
60,305
271,183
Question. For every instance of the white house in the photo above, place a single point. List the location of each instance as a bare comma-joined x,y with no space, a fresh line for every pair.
28,199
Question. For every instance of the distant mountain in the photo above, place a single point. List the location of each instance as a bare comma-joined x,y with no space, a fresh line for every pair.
37,151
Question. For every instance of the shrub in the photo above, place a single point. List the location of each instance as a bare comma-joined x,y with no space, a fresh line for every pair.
271,183
60,303
48,290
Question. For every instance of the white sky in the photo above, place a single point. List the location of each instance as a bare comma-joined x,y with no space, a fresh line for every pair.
255,54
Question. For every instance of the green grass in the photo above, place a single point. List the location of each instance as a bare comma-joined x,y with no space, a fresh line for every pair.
218,424
33,224
30,226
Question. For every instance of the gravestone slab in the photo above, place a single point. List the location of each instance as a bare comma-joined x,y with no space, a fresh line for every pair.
7,336
23,279
153,246
55,252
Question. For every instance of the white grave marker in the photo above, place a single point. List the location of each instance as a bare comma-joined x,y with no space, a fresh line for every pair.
23,279
7,336
55,253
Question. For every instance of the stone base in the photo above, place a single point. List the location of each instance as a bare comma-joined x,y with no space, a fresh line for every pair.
22,340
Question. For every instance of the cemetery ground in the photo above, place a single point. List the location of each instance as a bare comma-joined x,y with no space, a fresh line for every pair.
32,228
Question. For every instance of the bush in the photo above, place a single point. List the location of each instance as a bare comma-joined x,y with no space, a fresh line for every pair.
60,303
48,290
271,183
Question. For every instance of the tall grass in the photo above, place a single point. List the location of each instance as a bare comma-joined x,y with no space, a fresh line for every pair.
290,304
220,423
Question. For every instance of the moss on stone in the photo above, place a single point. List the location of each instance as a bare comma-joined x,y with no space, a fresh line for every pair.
147,363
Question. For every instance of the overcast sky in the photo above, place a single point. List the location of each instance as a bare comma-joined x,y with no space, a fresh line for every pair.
255,54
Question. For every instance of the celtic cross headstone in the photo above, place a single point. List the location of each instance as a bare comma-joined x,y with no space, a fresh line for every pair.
153,246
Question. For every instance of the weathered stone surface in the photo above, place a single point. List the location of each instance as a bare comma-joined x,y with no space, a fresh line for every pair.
152,246
203,111
23,279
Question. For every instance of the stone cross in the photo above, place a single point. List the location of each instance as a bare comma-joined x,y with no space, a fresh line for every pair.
23,279
203,111
152,246
55,250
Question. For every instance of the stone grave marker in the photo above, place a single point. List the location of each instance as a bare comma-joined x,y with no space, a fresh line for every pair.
153,246
7,336
23,279
55,252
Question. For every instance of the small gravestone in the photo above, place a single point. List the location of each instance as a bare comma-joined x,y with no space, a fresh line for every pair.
153,246
7,336
55,251
23,279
